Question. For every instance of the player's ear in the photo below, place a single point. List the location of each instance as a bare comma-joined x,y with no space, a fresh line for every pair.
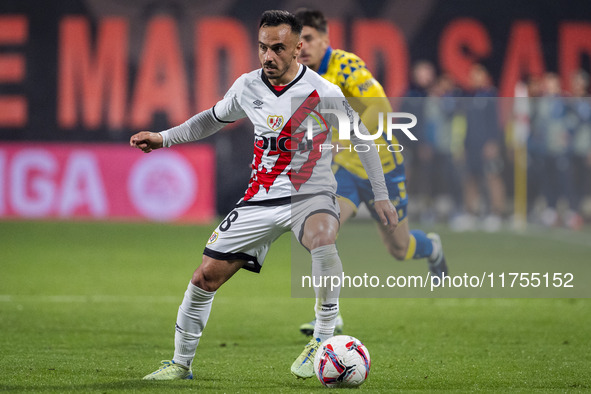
298,49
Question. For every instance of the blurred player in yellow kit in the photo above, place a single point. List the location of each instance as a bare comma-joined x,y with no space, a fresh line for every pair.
349,73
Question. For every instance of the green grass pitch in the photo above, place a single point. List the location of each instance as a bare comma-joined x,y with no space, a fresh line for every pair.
90,307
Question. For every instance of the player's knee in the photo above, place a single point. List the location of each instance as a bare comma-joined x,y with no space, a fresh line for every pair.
398,251
204,279
320,230
321,241
317,237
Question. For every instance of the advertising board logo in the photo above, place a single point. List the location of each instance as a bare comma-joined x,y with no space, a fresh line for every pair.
162,186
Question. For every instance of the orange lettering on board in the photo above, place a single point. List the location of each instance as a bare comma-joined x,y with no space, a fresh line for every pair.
161,84
13,111
12,68
463,43
574,41
88,82
14,30
214,77
375,38
336,34
523,58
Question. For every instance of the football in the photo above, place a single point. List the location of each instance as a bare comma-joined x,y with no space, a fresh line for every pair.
342,361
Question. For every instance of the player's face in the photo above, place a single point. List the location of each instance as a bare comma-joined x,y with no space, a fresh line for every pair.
314,47
279,48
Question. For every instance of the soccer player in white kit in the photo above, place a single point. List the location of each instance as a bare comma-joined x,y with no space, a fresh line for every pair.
292,187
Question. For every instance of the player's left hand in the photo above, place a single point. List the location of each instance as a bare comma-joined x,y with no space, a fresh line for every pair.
387,213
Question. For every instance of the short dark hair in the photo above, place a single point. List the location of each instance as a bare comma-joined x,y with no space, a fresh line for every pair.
280,17
312,18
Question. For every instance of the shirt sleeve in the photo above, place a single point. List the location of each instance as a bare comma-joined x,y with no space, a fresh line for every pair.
208,122
228,109
198,127
356,80
372,165
361,83
369,154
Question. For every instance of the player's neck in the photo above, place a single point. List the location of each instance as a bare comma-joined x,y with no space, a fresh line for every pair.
287,77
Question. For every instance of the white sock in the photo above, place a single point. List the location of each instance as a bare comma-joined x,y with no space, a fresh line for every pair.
436,251
326,262
190,322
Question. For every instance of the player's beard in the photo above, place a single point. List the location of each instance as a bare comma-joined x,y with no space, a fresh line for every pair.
274,72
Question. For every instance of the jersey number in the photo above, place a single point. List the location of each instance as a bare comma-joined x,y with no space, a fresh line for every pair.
227,222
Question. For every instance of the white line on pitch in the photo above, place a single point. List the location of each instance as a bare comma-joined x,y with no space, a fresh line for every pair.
89,299
581,238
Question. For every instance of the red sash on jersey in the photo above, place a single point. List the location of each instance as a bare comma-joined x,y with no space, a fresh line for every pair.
266,178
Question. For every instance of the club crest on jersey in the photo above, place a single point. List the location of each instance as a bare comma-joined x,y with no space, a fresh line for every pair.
275,122
213,237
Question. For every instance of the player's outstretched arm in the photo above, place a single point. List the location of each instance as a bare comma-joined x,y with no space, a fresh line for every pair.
373,167
387,213
146,141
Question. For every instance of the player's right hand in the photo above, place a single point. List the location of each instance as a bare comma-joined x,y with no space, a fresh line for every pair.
146,141
387,213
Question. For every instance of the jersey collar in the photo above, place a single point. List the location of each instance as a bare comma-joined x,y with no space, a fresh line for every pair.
289,85
324,64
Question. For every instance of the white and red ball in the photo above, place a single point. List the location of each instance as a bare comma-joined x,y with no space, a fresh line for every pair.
342,361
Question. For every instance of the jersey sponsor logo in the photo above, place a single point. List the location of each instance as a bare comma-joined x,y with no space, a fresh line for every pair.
172,194
283,144
366,85
275,122
258,104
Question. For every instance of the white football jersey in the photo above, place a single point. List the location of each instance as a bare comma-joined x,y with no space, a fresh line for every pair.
285,163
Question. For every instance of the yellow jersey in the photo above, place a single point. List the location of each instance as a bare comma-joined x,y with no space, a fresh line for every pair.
348,72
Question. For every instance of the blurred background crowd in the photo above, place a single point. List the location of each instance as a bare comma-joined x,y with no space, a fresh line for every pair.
462,169
501,97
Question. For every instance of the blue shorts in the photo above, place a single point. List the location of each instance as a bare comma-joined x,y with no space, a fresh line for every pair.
358,190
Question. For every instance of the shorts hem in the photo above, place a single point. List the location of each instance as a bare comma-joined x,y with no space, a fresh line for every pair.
328,211
254,267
